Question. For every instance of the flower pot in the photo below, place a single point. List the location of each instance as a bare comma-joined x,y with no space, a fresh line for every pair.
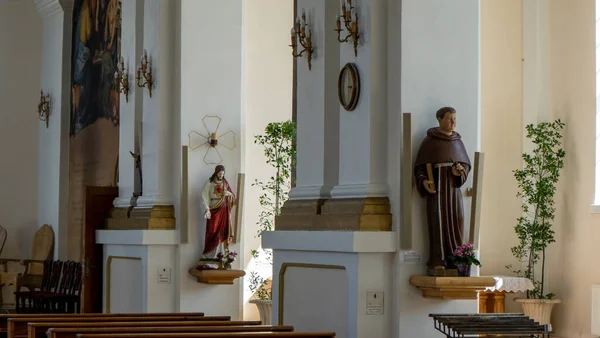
539,310
264,310
464,270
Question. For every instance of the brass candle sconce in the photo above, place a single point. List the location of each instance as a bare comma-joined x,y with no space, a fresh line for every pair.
122,79
44,108
145,72
350,25
299,34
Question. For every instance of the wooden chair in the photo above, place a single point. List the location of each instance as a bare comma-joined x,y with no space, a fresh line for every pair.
29,301
31,277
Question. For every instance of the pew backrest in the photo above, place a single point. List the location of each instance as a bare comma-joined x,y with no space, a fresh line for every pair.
39,329
4,316
72,332
212,335
18,326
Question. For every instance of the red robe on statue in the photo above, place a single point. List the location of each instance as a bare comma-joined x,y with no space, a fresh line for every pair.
218,227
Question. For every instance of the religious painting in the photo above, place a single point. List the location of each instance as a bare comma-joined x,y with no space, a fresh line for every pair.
96,49
94,142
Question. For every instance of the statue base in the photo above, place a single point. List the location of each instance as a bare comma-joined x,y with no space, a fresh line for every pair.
442,272
216,276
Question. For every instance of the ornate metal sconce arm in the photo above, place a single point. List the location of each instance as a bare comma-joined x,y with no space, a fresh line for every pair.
122,79
144,73
44,108
349,24
299,33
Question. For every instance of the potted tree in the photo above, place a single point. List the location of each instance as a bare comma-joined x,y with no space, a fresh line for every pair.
537,184
280,153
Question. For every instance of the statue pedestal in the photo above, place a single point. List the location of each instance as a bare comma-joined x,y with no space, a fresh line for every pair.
451,288
217,276
339,281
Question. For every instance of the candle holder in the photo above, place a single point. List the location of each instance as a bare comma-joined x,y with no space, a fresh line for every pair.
350,25
299,34
44,108
122,79
144,72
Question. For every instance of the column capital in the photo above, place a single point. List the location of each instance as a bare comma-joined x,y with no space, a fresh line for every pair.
48,8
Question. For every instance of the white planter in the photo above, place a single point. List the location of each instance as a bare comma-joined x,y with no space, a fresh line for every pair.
264,310
539,310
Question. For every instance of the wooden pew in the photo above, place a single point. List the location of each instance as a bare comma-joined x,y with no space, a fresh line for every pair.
72,332
4,317
17,327
212,335
38,329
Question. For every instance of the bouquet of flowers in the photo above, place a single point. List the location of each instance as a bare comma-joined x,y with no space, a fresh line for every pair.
227,258
464,257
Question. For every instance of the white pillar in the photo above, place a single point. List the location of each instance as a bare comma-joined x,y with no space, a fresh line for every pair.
131,50
157,134
363,131
54,140
316,93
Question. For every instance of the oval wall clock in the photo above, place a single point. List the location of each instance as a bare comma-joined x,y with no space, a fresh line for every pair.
349,86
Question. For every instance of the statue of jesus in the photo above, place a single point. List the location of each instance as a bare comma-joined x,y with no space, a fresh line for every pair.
441,168
217,200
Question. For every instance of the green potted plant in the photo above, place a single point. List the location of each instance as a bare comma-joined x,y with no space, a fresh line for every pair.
537,182
280,153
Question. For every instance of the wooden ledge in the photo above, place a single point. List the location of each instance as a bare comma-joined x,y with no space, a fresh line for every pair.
216,276
451,288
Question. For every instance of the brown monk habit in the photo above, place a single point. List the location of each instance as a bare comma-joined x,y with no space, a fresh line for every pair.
445,214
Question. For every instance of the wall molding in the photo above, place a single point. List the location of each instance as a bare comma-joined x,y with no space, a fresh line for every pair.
48,8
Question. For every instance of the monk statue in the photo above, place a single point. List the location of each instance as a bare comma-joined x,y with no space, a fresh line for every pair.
217,200
441,168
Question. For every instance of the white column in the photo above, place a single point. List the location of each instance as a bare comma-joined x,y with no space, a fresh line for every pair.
54,140
363,131
131,50
157,133
316,93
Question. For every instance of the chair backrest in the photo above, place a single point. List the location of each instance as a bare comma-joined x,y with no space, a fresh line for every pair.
3,235
42,248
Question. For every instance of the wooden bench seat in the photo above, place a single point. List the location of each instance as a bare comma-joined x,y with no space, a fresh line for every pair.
38,329
18,326
4,316
212,335
72,332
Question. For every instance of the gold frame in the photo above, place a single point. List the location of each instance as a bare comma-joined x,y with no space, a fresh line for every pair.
108,263
355,86
282,270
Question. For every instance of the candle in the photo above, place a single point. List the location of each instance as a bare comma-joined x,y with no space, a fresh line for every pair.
292,33
337,22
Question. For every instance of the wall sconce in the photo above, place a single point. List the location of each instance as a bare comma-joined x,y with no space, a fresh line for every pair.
44,108
145,72
351,26
299,34
122,79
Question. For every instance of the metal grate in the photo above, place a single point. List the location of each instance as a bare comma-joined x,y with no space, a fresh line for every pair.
489,325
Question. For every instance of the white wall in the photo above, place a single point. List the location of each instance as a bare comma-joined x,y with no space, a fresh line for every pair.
501,129
20,62
267,95
439,67
211,84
